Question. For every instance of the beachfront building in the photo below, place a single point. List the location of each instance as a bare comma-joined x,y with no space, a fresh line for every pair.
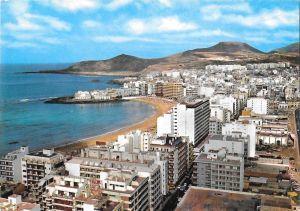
258,105
189,118
172,90
15,203
10,165
221,165
176,150
96,160
37,169
134,141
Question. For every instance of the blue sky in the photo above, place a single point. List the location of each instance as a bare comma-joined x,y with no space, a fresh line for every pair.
51,31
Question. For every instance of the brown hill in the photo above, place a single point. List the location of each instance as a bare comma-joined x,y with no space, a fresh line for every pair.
221,53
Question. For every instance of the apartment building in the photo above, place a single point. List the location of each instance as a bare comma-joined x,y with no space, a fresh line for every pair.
35,166
245,129
221,165
96,160
189,118
172,90
176,150
10,165
215,126
37,170
258,105
219,170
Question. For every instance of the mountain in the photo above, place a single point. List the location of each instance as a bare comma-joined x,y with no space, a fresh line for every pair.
221,53
121,63
230,47
292,48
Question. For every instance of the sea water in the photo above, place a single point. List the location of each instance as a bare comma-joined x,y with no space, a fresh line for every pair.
26,120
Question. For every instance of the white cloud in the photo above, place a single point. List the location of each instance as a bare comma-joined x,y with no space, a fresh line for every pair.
137,26
242,14
91,24
72,5
17,44
162,24
115,4
270,19
209,33
121,39
238,7
31,29
167,3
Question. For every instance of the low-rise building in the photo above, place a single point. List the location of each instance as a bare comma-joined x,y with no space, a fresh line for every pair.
14,203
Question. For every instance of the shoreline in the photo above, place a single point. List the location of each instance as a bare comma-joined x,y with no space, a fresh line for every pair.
160,105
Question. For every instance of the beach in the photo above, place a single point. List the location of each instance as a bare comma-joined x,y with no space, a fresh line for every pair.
161,106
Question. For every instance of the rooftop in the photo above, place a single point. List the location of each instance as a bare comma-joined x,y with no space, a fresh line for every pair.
197,198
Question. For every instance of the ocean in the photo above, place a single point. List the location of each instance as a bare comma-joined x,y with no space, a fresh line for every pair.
26,120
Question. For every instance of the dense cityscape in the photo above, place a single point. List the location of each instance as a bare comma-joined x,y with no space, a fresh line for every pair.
228,141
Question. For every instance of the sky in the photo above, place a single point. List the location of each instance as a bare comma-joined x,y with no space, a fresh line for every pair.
64,31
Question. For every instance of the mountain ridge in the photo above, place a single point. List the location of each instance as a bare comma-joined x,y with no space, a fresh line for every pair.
221,53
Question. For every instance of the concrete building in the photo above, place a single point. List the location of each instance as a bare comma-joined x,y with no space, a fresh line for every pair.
14,203
215,126
94,161
227,102
10,165
172,90
37,169
221,165
176,150
115,190
189,118
199,198
258,105
134,141
244,129
220,113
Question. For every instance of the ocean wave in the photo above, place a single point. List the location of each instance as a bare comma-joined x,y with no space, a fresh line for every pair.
34,99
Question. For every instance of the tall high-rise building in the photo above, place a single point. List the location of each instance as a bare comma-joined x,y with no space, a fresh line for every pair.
189,118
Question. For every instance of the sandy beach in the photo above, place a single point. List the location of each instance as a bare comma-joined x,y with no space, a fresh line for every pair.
161,106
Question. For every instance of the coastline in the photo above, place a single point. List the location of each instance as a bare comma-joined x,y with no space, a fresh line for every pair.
161,106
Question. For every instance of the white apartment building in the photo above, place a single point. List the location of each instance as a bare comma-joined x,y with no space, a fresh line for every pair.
10,165
258,105
134,141
220,113
227,102
246,130
206,91
190,119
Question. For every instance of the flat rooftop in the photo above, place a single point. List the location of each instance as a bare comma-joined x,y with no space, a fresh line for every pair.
197,198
